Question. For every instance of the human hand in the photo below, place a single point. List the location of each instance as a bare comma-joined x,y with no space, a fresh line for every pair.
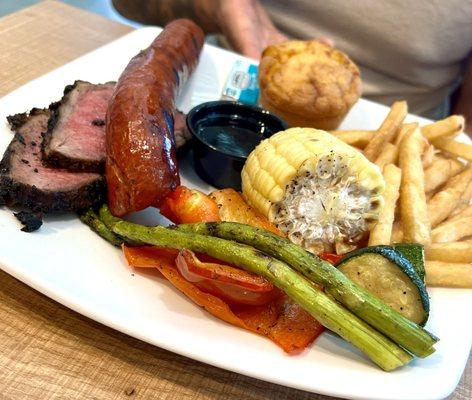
247,26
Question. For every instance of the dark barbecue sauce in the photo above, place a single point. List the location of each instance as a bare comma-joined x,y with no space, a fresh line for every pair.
237,137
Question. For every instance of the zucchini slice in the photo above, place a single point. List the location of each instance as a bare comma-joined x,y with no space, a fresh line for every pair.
390,276
414,253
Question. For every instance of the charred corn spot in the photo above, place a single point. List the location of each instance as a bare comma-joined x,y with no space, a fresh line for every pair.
314,187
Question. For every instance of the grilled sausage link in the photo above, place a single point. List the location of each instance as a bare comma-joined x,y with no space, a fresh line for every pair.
141,165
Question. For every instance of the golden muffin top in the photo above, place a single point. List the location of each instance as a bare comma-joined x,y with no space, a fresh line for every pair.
309,76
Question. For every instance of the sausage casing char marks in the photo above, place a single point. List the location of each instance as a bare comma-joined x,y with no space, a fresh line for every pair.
141,165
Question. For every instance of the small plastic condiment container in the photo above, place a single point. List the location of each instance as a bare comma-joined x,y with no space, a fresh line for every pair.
223,135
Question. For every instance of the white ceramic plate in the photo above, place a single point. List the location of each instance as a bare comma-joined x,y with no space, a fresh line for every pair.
69,263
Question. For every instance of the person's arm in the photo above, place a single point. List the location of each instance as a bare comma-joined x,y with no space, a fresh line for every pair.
161,12
245,23
464,101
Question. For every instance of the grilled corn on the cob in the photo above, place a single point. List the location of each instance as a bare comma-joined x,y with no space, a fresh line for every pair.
317,189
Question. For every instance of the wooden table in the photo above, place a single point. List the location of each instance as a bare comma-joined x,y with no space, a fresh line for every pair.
48,351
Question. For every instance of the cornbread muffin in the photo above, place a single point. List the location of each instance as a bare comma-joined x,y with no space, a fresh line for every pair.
308,83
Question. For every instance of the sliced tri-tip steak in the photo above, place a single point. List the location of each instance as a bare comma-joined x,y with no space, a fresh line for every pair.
25,181
75,138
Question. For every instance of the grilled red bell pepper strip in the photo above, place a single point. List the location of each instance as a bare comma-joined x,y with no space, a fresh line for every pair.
281,320
186,206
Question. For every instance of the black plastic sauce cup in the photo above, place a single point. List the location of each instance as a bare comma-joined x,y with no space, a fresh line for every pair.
223,135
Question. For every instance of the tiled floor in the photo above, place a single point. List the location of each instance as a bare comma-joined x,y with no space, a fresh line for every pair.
102,7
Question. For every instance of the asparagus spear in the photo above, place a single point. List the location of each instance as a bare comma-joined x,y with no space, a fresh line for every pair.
359,301
90,218
328,312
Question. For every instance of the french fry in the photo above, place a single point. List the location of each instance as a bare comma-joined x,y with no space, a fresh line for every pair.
464,212
444,202
381,233
449,128
388,155
464,202
452,231
413,208
428,156
354,138
403,130
454,147
460,252
448,274
397,232
387,131
440,171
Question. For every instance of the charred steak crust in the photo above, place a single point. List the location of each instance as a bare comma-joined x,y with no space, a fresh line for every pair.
55,158
31,221
37,200
16,121
3,195
15,192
